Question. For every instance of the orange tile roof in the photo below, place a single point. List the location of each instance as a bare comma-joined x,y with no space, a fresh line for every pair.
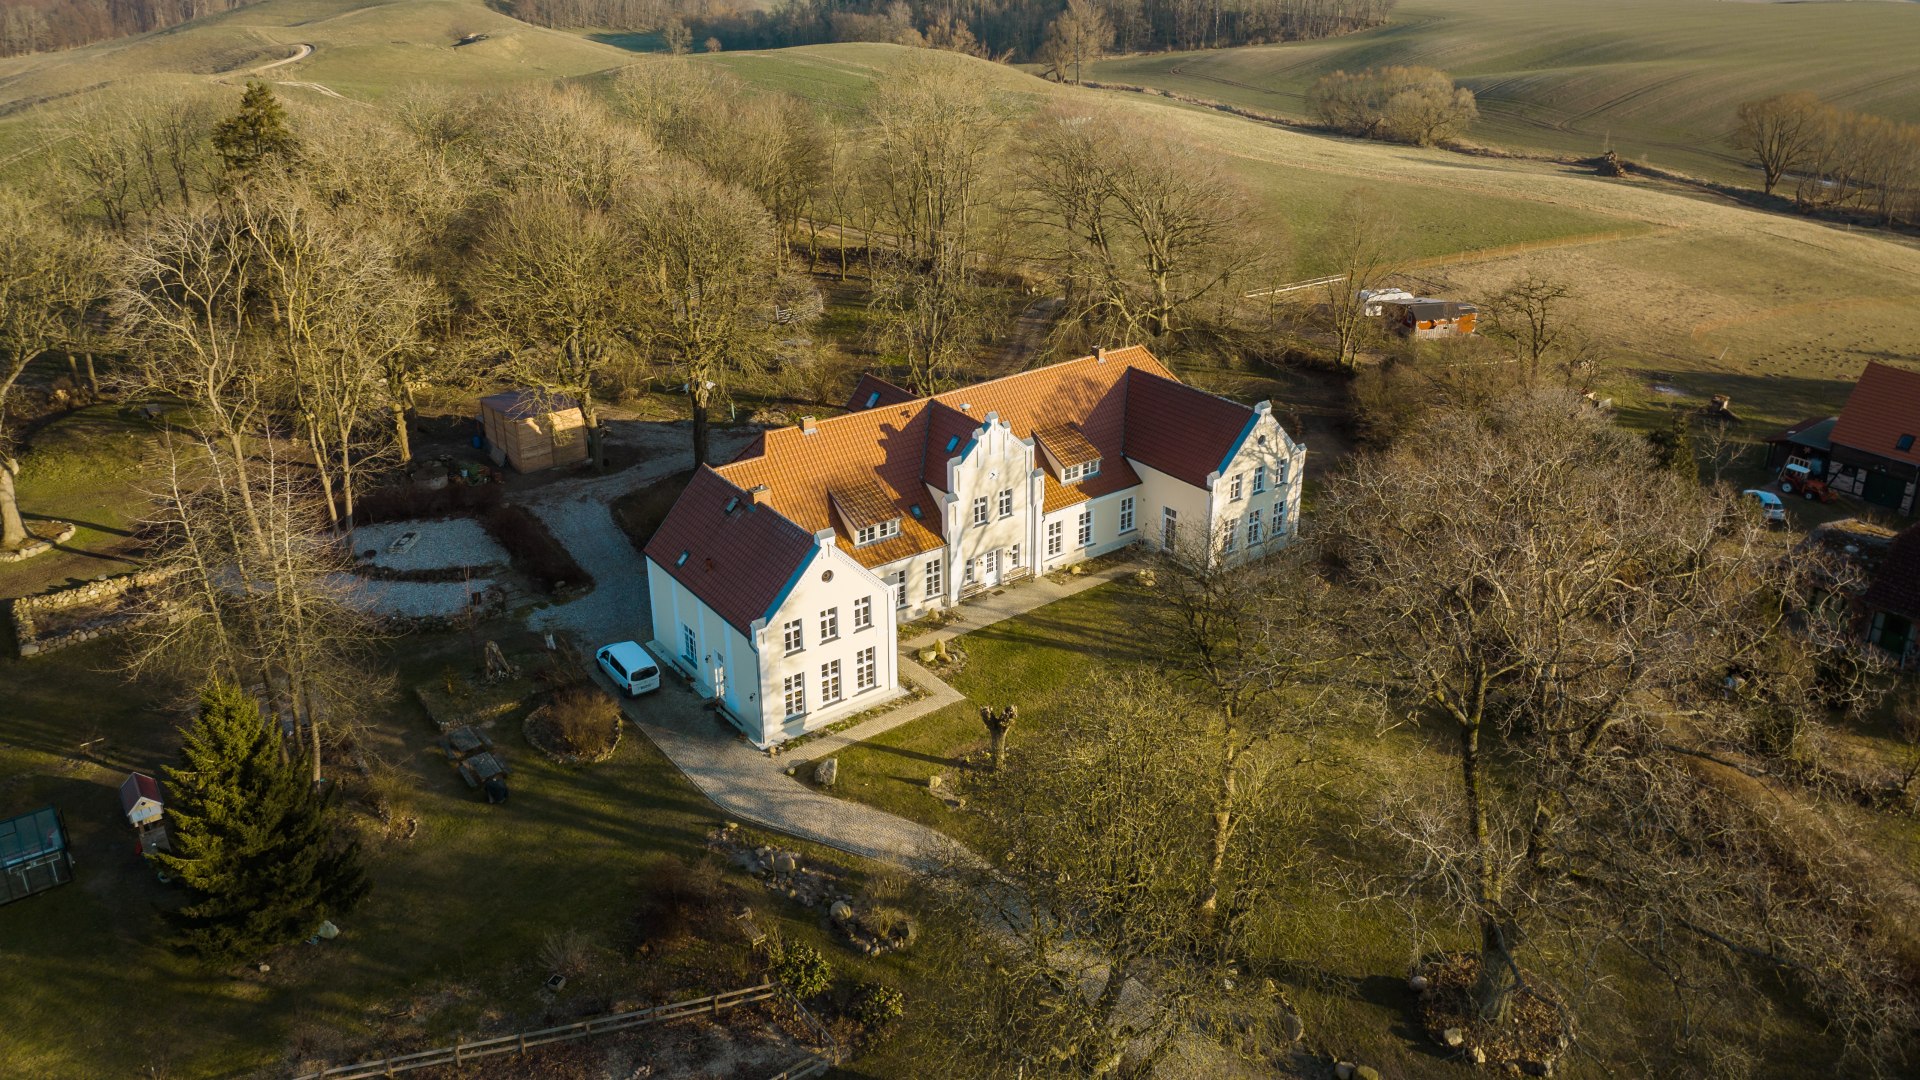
1066,444
861,504
1059,496
1884,405
894,452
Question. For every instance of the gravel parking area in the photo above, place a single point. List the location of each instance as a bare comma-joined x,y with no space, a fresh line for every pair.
410,598
445,543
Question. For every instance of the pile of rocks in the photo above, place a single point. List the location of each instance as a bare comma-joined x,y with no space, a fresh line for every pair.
781,871
42,542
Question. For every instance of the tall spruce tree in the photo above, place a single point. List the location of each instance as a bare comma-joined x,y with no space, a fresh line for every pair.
255,136
253,841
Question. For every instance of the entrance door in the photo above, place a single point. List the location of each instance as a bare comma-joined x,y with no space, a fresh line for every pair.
990,568
1169,527
1885,489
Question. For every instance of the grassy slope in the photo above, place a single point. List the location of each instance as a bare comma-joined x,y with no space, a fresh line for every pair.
1657,80
363,50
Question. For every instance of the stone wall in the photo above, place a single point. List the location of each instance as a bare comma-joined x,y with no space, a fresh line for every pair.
26,611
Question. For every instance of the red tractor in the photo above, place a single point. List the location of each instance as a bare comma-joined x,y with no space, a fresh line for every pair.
1797,475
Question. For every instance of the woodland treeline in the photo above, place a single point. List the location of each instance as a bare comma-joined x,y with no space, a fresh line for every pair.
42,25
1013,29
1833,158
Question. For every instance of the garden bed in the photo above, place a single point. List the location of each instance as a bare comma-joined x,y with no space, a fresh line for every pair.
456,699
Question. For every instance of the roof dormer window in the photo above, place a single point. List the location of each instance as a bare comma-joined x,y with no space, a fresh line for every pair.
1073,474
873,534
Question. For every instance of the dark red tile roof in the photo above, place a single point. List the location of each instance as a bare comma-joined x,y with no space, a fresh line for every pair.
948,432
737,562
1896,584
873,392
1884,405
1183,432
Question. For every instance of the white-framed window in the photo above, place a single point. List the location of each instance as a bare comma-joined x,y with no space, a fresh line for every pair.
1075,473
794,691
793,636
866,671
1126,515
830,624
936,577
872,534
1279,518
1053,538
1259,479
1013,557
898,579
979,509
1006,502
1253,527
1280,474
829,682
1234,487
863,613
1169,527
1231,533
1083,535
689,645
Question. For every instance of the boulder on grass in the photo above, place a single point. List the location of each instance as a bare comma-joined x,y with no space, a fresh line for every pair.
841,911
826,772
1453,1036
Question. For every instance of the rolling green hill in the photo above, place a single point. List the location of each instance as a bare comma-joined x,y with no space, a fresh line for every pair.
362,50
1656,80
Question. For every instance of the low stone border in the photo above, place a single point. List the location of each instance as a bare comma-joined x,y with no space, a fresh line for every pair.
40,545
535,729
23,610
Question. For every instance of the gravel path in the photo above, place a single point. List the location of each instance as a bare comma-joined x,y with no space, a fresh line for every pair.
443,544
742,781
410,598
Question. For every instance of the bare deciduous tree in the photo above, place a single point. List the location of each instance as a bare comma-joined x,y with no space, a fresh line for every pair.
708,287
1780,132
1363,242
45,276
1079,35
1568,615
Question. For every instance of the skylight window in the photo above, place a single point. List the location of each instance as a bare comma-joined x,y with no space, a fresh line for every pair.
1905,443
732,504
914,510
682,560
873,399
952,441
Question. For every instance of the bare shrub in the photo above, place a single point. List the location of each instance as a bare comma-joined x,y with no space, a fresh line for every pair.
584,718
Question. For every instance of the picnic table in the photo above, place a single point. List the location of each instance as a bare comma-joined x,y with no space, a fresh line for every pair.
464,742
481,768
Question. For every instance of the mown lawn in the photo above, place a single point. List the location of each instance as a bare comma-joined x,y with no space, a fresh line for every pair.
86,467
449,942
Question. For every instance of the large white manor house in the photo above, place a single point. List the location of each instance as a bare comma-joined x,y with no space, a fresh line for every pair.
777,581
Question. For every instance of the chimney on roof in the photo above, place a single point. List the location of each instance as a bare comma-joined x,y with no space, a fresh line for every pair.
760,495
1099,355
966,407
807,426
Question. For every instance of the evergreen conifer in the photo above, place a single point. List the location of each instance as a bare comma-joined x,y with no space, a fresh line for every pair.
252,840
257,135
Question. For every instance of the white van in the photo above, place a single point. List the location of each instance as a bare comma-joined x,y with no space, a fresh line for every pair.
630,666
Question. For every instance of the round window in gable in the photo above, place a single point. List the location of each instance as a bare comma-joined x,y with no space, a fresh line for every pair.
826,575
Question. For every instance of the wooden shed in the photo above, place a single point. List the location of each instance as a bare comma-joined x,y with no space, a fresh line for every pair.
529,431
1425,317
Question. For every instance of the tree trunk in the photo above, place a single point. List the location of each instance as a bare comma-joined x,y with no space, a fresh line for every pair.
1494,988
400,440
1223,822
13,531
93,377
698,397
1000,733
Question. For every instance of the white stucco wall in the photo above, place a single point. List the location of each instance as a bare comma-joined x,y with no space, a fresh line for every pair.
1266,443
831,579
995,460
716,644
1106,528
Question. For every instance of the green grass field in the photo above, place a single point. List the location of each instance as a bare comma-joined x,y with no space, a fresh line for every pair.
1656,80
448,942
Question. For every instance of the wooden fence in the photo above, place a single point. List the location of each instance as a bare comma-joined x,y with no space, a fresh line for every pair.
461,1053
